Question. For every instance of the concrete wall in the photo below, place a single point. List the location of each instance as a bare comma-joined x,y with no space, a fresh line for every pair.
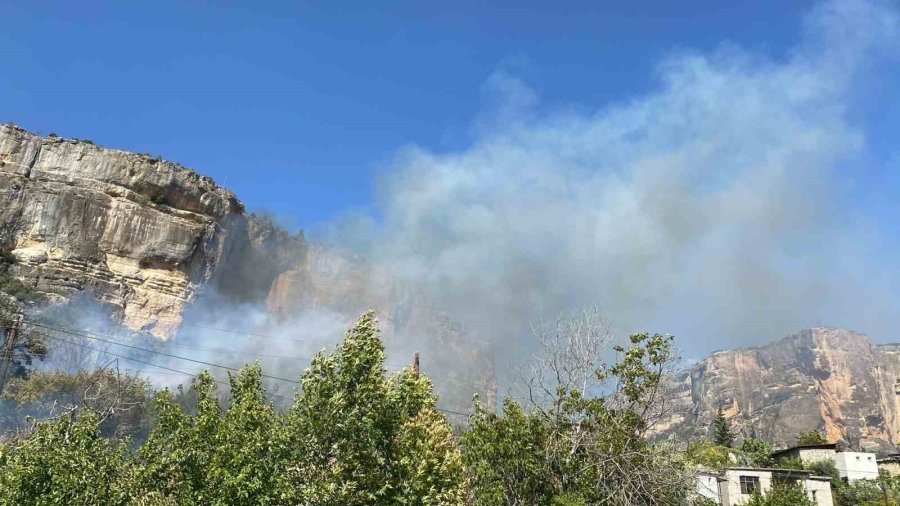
730,488
708,485
818,488
809,455
856,465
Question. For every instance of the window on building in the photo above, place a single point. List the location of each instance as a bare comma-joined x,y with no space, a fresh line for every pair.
749,484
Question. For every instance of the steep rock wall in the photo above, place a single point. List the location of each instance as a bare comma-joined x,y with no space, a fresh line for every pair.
136,232
830,379
148,237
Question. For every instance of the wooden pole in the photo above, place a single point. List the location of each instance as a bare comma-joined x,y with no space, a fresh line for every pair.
416,365
10,342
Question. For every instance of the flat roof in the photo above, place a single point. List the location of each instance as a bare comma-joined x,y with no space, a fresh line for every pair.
770,470
774,470
824,446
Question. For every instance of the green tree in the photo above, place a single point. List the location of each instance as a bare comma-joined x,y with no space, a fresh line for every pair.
756,452
705,453
857,493
30,344
811,437
506,457
63,462
824,468
352,434
583,440
246,458
722,434
178,464
781,495
120,401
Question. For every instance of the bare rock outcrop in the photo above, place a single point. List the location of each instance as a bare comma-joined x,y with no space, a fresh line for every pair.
830,379
134,231
147,237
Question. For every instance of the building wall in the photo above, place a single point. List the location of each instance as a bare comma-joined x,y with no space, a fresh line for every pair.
730,488
809,455
818,488
856,465
708,486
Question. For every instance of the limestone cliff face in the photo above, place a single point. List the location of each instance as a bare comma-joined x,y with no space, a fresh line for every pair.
134,231
147,237
831,379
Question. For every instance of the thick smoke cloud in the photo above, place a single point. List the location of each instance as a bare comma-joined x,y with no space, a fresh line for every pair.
712,208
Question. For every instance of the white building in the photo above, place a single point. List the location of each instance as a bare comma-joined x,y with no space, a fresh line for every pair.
708,485
854,466
851,466
735,485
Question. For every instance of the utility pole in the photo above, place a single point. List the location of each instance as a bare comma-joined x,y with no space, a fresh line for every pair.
885,488
10,342
415,366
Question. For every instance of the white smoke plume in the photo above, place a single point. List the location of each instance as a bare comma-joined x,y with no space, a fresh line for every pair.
713,208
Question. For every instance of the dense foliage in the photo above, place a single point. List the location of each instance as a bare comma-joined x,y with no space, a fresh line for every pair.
781,495
354,435
121,401
811,437
580,448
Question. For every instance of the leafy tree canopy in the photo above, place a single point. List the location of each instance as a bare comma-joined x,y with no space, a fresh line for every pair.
811,437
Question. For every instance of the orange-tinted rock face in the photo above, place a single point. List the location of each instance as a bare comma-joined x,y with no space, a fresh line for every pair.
830,379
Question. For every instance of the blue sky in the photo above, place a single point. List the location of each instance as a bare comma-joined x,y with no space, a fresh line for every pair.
297,106
703,168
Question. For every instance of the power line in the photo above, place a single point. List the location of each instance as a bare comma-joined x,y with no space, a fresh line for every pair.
71,332
219,350
190,346
92,335
147,363
178,371
452,412
146,350
240,332
264,336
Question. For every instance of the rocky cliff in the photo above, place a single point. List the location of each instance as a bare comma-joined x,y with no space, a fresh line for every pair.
136,232
835,380
147,237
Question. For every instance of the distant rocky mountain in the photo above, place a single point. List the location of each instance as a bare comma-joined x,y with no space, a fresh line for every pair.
831,379
147,237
